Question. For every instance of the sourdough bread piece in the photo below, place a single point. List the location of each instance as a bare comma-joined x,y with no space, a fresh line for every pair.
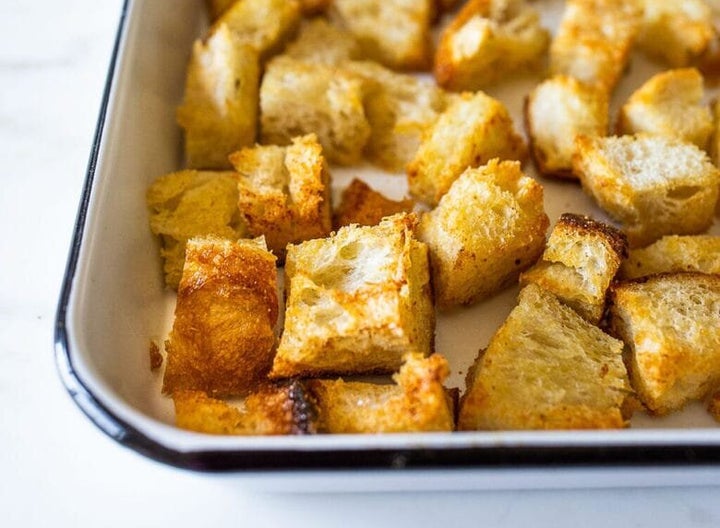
284,192
594,40
218,113
191,203
488,228
356,301
298,98
669,104
416,402
320,42
546,368
673,253
361,204
653,185
671,325
582,256
556,112
474,129
223,337
488,40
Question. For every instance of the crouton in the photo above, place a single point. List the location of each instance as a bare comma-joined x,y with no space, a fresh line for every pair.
669,104
558,110
298,98
219,109
395,33
486,41
320,42
594,40
222,339
271,410
416,402
364,206
673,253
284,192
488,228
192,203
546,368
356,301
653,185
671,324
473,130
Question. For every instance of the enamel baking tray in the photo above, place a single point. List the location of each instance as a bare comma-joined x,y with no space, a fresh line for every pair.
113,303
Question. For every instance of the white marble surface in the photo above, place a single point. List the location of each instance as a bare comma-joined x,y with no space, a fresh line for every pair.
56,468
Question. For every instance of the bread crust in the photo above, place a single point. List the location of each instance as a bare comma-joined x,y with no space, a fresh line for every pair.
362,205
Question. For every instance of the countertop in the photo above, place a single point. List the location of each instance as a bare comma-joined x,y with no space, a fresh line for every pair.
56,467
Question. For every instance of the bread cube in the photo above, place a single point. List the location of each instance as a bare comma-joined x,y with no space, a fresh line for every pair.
594,40
417,401
219,109
669,104
223,337
488,40
674,253
546,368
395,33
284,192
191,203
271,410
356,301
320,42
582,256
488,228
653,185
671,324
298,98
364,206
473,130
557,111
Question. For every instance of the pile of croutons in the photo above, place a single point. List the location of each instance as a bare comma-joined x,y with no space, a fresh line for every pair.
613,315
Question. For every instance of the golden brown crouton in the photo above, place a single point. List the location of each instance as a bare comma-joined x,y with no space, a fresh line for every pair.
320,42
416,402
192,203
284,192
223,335
219,109
473,130
653,185
546,368
581,258
364,206
671,323
356,302
486,41
488,228
673,253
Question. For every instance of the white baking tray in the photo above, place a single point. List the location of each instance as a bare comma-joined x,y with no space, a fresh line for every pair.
113,303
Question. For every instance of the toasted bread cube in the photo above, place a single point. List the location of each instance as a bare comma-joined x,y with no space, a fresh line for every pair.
671,324
488,40
416,402
223,337
219,110
669,104
582,256
674,253
191,203
546,368
653,185
320,42
594,40
299,98
271,410
675,32
364,206
473,130
488,228
556,112
284,192
265,25
395,33
356,302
